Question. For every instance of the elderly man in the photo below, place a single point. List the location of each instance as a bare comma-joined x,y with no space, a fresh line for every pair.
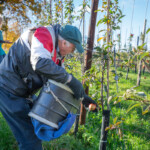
33,59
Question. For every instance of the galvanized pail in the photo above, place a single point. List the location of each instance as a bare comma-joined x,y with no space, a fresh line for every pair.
54,103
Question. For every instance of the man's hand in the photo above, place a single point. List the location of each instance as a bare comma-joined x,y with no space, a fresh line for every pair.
87,101
77,88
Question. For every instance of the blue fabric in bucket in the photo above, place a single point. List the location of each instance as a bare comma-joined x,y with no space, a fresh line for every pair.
47,133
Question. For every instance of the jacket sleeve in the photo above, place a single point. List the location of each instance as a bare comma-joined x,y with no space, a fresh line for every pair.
41,61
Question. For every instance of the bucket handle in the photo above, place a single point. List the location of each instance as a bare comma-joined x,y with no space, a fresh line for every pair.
56,98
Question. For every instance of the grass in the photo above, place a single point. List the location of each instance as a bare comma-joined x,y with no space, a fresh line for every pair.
134,133
7,140
135,129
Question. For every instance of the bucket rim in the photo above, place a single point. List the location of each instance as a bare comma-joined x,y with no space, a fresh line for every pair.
63,86
37,117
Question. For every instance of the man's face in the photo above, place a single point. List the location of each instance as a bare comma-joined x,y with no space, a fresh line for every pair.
64,49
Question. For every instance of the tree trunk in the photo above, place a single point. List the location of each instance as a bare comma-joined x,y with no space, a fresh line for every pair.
147,65
127,73
108,41
83,22
88,53
76,123
62,16
139,73
106,113
51,17
105,123
77,118
116,77
140,61
143,70
135,68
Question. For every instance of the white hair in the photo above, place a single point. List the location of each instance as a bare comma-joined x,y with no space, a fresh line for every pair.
61,38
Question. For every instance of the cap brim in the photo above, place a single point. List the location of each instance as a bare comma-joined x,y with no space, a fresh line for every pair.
79,48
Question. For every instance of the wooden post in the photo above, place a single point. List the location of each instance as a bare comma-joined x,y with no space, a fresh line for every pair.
88,53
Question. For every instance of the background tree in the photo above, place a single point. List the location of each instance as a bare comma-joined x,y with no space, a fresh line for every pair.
11,34
69,8
58,12
139,63
20,10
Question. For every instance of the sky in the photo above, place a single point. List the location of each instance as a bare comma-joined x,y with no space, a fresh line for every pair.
135,11
140,11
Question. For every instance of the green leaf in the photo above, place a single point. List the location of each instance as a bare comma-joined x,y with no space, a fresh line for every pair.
147,30
104,3
105,88
97,10
96,55
111,12
123,119
144,55
121,17
109,99
117,101
118,123
120,11
115,28
144,112
100,21
112,59
98,49
107,128
135,105
102,30
115,119
100,39
141,46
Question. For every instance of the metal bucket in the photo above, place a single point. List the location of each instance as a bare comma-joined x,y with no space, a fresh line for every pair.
54,103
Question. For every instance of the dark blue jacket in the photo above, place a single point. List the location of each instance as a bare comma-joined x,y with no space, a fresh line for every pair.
25,69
